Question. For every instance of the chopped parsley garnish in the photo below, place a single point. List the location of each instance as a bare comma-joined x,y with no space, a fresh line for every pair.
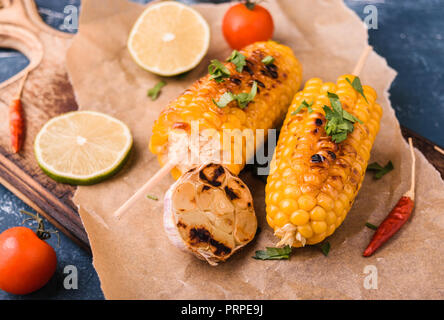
273,253
154,92
371,226
380,171
224,100
267,60
339,122
218,71
304,104
238,59
242,99
325,248
356,84
152,197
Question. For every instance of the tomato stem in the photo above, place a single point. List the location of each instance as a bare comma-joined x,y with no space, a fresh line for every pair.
250,4
41,232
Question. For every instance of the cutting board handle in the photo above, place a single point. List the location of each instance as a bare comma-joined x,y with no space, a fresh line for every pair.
24,13
20,28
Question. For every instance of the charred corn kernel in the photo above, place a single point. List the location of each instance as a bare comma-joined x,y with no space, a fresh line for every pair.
277,84
300,217
328,184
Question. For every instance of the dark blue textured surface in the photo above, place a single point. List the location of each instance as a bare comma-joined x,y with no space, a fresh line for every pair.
410,35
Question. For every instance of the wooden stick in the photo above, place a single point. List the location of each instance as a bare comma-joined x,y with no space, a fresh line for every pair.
362,59
142,192
411,192
438,149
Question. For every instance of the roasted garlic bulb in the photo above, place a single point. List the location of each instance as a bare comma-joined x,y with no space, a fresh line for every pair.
209,212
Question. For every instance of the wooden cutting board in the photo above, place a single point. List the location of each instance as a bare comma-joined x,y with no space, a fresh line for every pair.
48,93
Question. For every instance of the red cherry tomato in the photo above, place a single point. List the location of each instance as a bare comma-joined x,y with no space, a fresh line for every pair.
242,26
26,262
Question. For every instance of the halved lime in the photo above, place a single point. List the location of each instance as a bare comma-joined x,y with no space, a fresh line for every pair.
82,147
169,38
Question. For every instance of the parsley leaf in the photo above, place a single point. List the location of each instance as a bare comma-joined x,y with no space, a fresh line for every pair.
218,71
154,92
238,59
267,60
150,196
371,226
356,84
339,121
304,104
242,99
273,253
379,170
224,100
325,248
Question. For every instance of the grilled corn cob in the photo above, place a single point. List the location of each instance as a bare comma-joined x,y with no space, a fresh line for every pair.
276,82
314,181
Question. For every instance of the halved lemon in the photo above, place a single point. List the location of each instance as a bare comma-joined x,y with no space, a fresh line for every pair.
169,38
82,147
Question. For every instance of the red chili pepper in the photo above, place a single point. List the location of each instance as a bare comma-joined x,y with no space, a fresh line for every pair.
16,124
397,217
16,119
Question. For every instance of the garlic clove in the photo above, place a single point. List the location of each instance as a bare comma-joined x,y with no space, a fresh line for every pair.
184,198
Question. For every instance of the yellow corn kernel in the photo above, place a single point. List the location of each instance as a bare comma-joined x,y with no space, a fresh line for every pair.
280,219
292,191
331,229
325,201
318,214
270,221
339,208
331,217
306,231
288,206
316,238
272,211
306,202
318,226
300,217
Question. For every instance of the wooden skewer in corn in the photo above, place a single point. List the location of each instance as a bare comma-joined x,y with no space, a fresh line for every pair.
172,163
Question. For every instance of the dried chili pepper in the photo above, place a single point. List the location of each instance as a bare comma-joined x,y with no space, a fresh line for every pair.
16,119
397,217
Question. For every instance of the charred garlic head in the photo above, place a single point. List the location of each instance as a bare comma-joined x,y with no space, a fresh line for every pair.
209,212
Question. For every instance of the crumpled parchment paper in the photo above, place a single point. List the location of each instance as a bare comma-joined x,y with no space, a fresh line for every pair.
133,256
